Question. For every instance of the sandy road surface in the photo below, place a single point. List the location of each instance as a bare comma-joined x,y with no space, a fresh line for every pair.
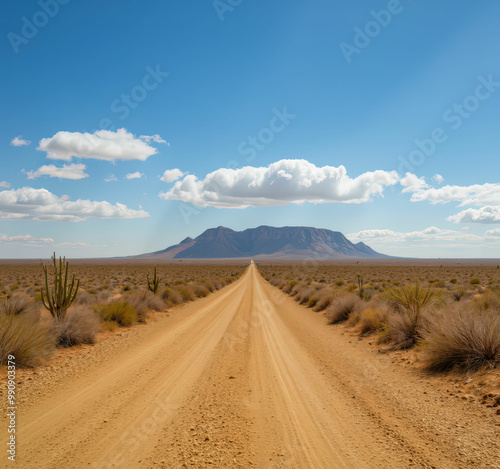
247,378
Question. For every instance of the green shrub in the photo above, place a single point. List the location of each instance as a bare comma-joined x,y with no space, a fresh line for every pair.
475,281
122,313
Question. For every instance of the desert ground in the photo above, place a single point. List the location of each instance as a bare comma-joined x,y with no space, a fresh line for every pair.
247,376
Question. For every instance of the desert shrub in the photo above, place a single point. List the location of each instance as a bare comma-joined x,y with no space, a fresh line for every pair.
25,338
187,293
287,287
457,294
304,295
408,319
217,284
121,313
340,309
339,283
143,301
209,285
372,320
84,298
79,326
173,296
201,291
463,340
489,301
314,298
324,300
276,282
475,281
19,305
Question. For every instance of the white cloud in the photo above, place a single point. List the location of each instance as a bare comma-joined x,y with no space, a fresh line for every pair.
24,239
101,145
487,214
4,184
111,178
438,178
281,183
136,175
155,138
171,175
41,205
68,171
477,194
19,141
493,233
429,234
413,183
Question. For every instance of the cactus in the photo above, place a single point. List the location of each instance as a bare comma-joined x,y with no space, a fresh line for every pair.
153,284
58,300
360,286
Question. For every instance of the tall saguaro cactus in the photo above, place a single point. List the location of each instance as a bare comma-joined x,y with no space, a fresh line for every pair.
154,283
58,299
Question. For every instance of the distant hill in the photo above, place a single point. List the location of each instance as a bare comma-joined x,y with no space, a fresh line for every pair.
289,242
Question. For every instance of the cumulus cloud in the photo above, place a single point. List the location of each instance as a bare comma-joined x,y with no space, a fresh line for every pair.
19,141
28,239
281,183
111,178
28,203
155,138
493,233
438,178
136,175
4,184
429,234
101,145
477,194
171,175
413,183
68,171
487,214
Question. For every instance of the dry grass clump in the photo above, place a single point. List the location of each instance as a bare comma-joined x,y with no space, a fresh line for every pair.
342,308
409,305
25,338
201,291
122,314
19,305
321,299
488,301
372,320
79,326
144,301
304,294
187,293
464,340
172,296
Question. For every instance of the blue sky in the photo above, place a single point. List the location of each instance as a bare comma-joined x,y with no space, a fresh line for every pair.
152,121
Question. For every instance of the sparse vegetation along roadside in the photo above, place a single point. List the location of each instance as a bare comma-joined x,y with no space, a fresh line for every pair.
63,307
454,325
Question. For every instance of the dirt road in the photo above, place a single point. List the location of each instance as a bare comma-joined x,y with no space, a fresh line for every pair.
245,378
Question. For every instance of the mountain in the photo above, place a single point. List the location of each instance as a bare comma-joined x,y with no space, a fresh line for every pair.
288,242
